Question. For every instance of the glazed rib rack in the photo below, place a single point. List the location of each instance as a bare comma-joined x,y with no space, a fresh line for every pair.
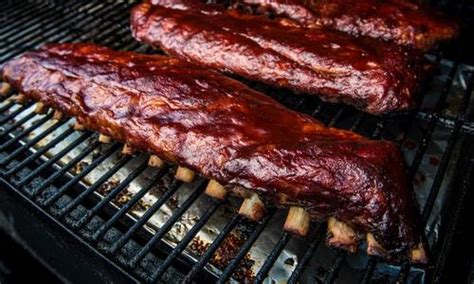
75,180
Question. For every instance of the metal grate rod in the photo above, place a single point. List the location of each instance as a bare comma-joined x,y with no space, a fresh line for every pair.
124,209
39,152
317,236
90,214
56,195
14,113
177,214
94,187
56,158
229,270
38,34
187,239
36,155
144,218
25,132
22,28
6,106
276,251
31,142
51,35
17,123
334,270
206,257
14,10
443,166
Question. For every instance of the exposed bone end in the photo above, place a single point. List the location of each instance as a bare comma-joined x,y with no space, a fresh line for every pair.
252,208
41,108
297,222
373,247
21,98
341,235
418,254
104,139
128,150
5,89
79,127
216,190
155,162
58,115
184,174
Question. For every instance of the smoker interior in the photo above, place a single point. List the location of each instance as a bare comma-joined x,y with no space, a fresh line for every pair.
82,188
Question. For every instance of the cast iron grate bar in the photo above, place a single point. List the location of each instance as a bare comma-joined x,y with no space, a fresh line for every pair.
41,151
39,36
56,158
96,185
35,25
422,146
32,142
16,124
227,273
7,106
144,218
77,178
186,240
317,236
443,166
177,214
15,113
277,249
38,153
91,213
124,209
25,132
206,257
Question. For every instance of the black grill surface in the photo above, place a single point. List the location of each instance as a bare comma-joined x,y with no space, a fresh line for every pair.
58,192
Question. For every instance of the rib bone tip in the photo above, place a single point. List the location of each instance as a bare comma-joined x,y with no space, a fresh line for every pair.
79,127
58,115
5,88
373,247
105,139
21,98
298,221
341,235
184,174
418,254
216,190
252,208
40,108
128,150
155,162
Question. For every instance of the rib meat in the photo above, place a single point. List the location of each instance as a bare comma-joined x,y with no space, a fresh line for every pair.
374,76
400,21
220,128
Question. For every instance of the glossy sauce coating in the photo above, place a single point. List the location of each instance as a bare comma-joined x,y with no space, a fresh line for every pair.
220,128
371,75
400,21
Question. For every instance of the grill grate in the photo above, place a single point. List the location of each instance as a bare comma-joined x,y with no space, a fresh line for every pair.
38,174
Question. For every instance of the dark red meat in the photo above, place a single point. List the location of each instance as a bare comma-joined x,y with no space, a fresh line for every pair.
400,21
220,128
374,76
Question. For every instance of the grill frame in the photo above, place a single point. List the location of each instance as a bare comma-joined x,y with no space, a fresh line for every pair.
112,30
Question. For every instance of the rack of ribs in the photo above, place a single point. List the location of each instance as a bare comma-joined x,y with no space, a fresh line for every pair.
242,140
400,21
374,76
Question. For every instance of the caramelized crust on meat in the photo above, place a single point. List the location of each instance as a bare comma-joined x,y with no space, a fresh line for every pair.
374,76
220,128
400,21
